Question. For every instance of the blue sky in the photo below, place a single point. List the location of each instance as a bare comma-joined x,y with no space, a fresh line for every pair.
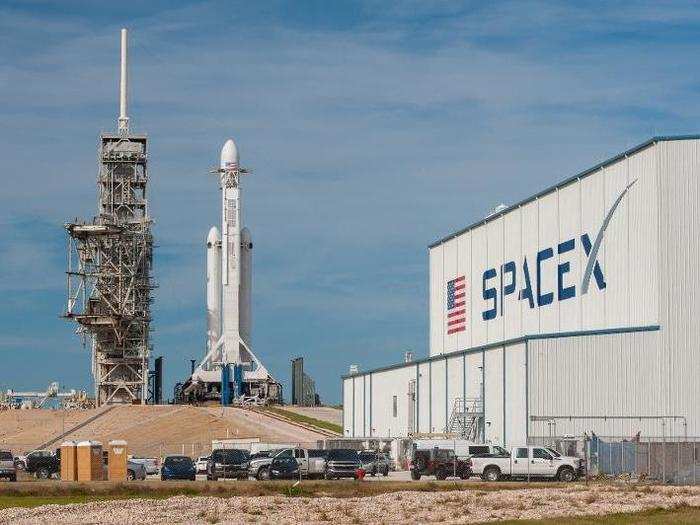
372,128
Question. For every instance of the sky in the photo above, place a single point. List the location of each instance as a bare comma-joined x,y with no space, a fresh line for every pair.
372,128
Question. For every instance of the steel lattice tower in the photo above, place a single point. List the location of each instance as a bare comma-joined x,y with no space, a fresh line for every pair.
109,267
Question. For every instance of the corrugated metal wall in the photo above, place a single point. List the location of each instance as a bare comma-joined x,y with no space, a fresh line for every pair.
679,290
627,258
497,371
598,375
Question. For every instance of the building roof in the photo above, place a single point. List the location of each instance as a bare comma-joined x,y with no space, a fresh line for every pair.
652,141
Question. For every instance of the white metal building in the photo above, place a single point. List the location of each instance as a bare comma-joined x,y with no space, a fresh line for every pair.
571,311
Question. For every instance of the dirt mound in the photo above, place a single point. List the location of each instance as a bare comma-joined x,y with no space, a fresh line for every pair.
149,430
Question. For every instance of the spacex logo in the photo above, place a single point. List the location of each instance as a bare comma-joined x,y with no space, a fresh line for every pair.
527,279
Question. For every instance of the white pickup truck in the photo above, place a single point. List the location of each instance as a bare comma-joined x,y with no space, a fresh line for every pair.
312,463
526,462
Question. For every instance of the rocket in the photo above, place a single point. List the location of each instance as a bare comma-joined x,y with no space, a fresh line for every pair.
229,280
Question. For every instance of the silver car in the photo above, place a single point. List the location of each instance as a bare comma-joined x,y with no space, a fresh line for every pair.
374,463
8,469
135,471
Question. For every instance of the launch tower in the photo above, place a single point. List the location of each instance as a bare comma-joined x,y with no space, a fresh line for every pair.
109,265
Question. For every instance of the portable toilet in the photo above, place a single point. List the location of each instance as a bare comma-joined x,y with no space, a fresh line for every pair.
69,461
89,454
116,460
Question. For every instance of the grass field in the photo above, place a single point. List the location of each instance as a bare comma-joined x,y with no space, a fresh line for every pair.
305,419
311,488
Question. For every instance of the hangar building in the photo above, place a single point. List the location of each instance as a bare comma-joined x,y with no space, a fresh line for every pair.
569,312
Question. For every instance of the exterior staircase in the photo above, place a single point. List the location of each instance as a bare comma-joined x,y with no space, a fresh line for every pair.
467,419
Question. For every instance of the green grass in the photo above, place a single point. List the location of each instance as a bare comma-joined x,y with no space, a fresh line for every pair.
306,419
36,501
682,515
45,492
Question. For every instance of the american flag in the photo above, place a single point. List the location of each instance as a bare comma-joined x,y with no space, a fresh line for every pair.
456,309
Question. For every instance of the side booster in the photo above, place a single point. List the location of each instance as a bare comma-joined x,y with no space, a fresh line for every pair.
213,288
244,299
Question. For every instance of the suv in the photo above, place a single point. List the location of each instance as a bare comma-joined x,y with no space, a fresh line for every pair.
7,465
228,463
43,463
374,463
342,463
440,463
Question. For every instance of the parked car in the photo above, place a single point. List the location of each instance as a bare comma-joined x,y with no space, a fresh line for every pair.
178,467
533,462
228,463
201,464
310,463
284,467
150,464
374,462
8,470
135,471
342,463
441,463
43,463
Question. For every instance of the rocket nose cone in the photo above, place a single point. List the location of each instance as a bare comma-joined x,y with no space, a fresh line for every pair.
213,236
229,155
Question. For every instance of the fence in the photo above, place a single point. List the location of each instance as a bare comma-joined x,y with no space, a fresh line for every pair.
666,460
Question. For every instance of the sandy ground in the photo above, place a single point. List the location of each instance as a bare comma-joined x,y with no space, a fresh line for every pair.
258,424
406,507
330,414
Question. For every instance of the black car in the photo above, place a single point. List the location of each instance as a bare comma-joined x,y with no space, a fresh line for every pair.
43,463
441,463
342,463
284,467
178,467
228,463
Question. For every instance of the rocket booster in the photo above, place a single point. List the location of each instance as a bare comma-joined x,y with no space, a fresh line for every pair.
213,287
246,285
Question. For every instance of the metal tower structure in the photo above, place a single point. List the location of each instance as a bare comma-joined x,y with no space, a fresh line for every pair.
109,265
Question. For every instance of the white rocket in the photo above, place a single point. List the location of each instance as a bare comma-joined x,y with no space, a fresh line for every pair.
229,282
